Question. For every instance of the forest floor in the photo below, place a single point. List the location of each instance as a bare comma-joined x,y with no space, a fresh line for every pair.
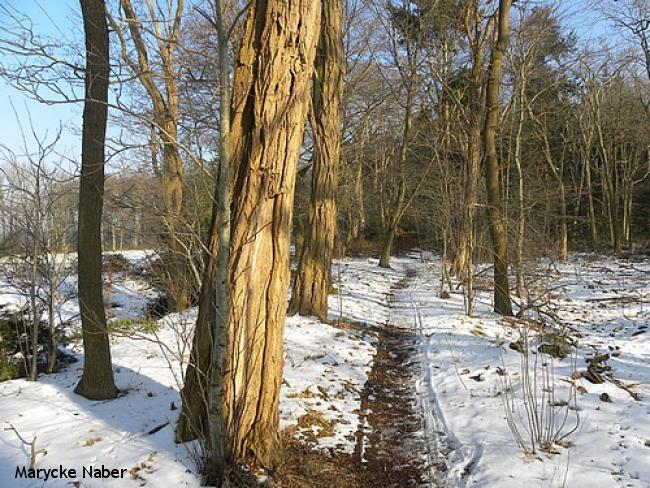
401,389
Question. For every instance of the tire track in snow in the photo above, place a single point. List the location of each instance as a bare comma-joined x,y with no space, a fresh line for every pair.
450,463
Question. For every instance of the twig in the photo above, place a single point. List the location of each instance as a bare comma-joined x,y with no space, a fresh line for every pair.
32,445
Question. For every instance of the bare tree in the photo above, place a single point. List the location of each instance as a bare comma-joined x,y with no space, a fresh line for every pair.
274,64
203,389
36,267
164,117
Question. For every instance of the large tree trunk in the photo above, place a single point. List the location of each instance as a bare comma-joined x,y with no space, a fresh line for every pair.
97,380
271,91
311,285
502,304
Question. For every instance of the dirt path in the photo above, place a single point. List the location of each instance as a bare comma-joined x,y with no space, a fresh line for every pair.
391,446
399,441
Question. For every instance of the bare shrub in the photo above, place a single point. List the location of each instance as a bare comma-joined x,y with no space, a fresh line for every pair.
540,415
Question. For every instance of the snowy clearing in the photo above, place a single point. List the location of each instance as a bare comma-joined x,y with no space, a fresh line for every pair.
465,365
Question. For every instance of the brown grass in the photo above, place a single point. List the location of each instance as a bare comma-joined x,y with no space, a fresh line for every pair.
307,467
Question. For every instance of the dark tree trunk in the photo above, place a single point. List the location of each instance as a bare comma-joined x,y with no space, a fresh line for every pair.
502,302
192,422
97,380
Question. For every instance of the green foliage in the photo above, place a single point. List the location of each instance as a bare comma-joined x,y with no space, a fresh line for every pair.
131,326
8,371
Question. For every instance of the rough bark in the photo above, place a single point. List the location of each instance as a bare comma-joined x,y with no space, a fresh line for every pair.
311,285
97,381
462,261
271,90
502,304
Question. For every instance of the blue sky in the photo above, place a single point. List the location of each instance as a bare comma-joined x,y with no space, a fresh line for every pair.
61,19
56,18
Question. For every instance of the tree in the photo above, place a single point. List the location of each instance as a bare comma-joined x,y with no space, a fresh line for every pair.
274,65
271,90
164,119
34,195
632,16
206,362
498,234
97,381
311,285
223,202
406,33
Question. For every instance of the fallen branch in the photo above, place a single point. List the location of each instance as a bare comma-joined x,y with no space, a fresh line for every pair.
32,445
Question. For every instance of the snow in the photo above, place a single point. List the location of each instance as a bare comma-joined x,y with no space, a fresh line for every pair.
611,445
602,301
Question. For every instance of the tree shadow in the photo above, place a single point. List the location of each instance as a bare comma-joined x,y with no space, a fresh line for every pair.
134,431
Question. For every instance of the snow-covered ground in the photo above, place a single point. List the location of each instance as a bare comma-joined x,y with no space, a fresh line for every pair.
467,364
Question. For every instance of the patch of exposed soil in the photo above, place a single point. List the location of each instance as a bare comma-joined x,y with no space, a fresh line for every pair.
390,448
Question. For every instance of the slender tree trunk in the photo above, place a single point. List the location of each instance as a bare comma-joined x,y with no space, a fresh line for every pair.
220,449
97,380
590,199
192,422
113,232
357,213
311,285
136,230
51,343
173,182
462,262
521,216
165,118
564,232
201,404
502,304
33,369
397,208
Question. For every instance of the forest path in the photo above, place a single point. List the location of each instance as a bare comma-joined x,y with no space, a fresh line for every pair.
394,442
